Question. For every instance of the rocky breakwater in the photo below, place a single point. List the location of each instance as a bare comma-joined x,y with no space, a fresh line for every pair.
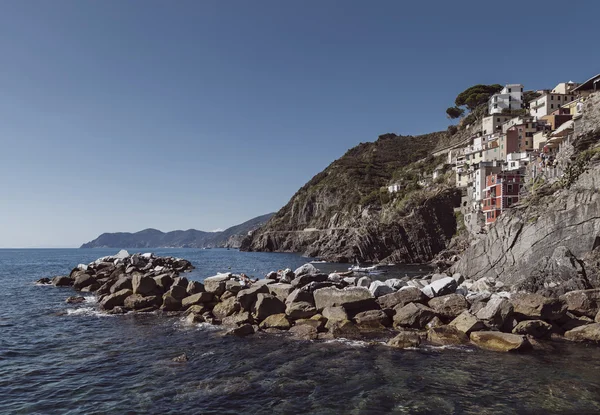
437,309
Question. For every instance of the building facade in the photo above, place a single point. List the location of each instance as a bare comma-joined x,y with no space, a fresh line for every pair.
548,103
493,123
509,98
501,192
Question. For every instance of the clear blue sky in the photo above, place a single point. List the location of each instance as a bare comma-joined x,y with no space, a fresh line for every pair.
123,115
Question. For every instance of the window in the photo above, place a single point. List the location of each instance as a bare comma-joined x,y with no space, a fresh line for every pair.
551,97
526,142
551,105
509,90
521,89
495,105
497,119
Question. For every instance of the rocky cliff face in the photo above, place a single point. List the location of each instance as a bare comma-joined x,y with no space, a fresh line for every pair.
345,213
535,246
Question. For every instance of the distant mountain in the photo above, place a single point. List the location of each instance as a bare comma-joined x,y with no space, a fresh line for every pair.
153,238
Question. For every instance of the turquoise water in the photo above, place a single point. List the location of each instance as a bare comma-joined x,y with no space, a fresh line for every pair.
62,359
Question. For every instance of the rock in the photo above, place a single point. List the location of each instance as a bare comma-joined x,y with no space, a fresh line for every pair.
195,287
537,307
436,277
243,330
263,282
90,288
286,276
237,319
500,342
335,277
216,285
123,283
143,285
170,303
449,306
587,333
137,302
197,309
304,332
306,269
335,314
535,328
181,282
395,283
194,318
301,281
446,335
300,310
435,322
467,323
163,282
482,285
233,286
404,340
317,321
351,298
571,321
247,297
272,275
583,302
276,321
75,300
373,319
364,282
225,308
43,281
179,292
281,290
496,311
123,254
62,281
350,280
195,299
113,300
300,295
597,318
413,315
446,285
474,297
344,329
458,278
83,280
404,296
379,288
266,305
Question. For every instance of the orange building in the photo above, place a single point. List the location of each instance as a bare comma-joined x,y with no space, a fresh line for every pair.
501,191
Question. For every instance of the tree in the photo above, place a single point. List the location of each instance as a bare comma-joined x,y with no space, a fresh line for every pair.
455,112
476,95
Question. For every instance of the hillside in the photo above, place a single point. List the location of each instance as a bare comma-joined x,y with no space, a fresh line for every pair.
345,213
153,238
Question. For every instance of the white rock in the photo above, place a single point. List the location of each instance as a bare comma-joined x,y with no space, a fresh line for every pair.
478,296
379,288
350,280
395,283
122,254
482,284
458,278
82,267
306,269
364,282
440,287
147,255
436,277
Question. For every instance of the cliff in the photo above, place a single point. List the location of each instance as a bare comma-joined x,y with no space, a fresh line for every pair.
345,213
153,238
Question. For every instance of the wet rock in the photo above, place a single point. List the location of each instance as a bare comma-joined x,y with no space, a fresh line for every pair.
137,302
404,296
449,306
44,281
335,314
170,303
395,283
300,310
280,290
444,286
83,280
225,308
179,292
90,288
446,335
537,307
62,281
233,286
180,282
116,310
535,328
117,299
181,358
467,323
197,309
496,311
317,323
413,315
364,282
195,299
237,319
275,321
372,319
272,275
379,288
571,321
304,332
75,300
241,331
587,333
482,285
123,283
143,285
195,287
247,297
344,329
306,269
404,340
583,302
193,318
500,342
266,305
301,281
351,298
216,285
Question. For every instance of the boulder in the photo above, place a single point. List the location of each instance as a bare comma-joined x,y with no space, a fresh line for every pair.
197,309
402,297
537,307
90,288
413,315
496,312
233,286
123,283
317,321
225,308
434,322
170,303
122,254
351,298
44,281
194,299
272,275
113,300
304,332
237,319
247,297
300,310
571,321
350,280
280,290
500,342
194,318
404,340
467,323
335,314
587,333
62,281
302,280
287,275
143,285
535,328
458,278
75,300
195,287
82,281
449,306
275,321
436,277
597,318
446,335
379,288
241,331
372,319
583,302
266,305
395,283
306,269
480,296
216,285
364,282
137,302
482,284
335,277
180,292
344,329
443,286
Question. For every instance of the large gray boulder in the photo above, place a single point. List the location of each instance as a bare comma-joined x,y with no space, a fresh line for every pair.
395,283
280,290
300,310
266,305
195,299
413,315
372,319
535,328
404,340
449,306
335,314
225,308
305,279
583,302
537,307
62,281
137,302
587,333
195,287
500,342
143,285
443,286
83,280
123,283
402,297
114,300
351,298
379,288
163,282
216,285
248,296
364,282
497,311
179,292
467,323
276,321
306,269
446,335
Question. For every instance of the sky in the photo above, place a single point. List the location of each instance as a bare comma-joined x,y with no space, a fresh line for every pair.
120,115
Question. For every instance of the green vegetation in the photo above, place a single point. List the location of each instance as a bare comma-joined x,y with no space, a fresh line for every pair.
454,112
529,96
474,100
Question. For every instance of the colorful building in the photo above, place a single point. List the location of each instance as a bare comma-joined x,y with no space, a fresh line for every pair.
501,192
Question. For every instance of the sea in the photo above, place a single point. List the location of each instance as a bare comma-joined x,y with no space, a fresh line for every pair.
57,358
